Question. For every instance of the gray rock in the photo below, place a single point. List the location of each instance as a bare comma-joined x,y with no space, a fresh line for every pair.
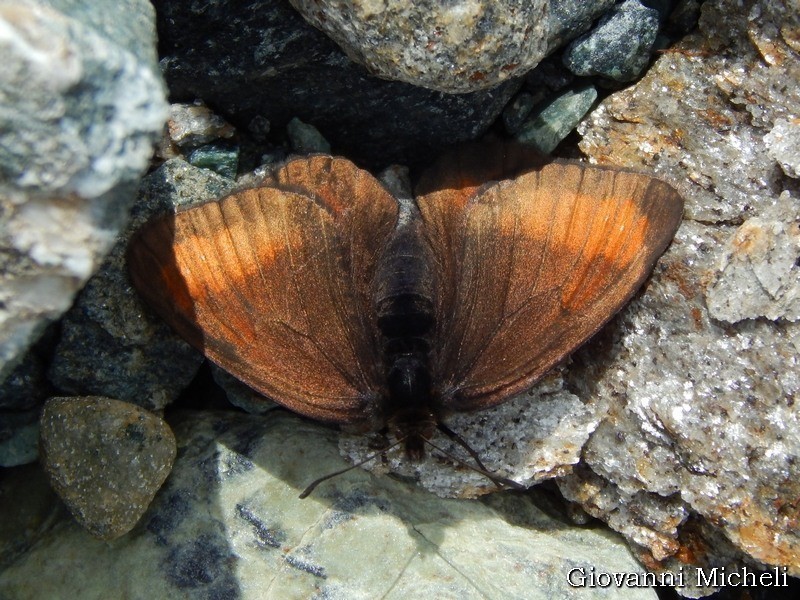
29,507
758,273
783,145
305,138
698,453
228,524
449,47
530,438
239,394
19,438
570,18
111,344
26,385
517,111
81,104
551,122
619,47
284,68
106,459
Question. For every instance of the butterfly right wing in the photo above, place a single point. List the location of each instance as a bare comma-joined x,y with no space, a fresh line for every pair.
535,265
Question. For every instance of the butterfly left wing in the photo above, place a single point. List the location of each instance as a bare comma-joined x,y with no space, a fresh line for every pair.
266,284
537,265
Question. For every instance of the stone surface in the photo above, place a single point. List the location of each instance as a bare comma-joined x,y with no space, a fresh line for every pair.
81,103
530,438
195,125
758,273
553,120
305,138
282,68
570,18
110,343
29,507
223,159
696,460
619,46
106,459
19,437
700,116
783,145
228,524
453,47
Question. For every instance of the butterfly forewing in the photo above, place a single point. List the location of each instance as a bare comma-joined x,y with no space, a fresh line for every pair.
539,263
267,284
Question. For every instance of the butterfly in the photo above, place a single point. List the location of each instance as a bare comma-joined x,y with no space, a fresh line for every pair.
325,293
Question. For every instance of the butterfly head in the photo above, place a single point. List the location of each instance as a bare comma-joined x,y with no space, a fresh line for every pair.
415,426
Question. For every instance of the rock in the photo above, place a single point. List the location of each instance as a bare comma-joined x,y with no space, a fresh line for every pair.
106,459
111,344
570,18
222,159
700,116
696,461
82,103
783,145
306,139
290,69
551,122
29,507
517,111
26,385
19,437
530,438
758,274
449,47
228,523
195,124
619,47
239,394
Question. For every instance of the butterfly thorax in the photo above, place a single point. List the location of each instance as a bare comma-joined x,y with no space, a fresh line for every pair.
405,311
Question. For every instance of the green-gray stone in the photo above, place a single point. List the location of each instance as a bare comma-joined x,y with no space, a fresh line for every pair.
552,122
223,160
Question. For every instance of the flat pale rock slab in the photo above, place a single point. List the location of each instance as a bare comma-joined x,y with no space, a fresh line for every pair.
228,524
106,459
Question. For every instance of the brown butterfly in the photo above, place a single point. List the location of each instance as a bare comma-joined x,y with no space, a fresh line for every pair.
325,293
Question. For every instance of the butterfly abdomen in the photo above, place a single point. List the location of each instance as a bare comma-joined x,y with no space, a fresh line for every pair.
405,314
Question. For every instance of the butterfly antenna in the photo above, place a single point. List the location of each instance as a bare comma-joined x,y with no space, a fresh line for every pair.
500,482
312,486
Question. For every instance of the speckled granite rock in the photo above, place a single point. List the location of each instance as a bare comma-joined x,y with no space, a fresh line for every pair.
81,103
106,459
696,460
450,47
228,524
110,343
